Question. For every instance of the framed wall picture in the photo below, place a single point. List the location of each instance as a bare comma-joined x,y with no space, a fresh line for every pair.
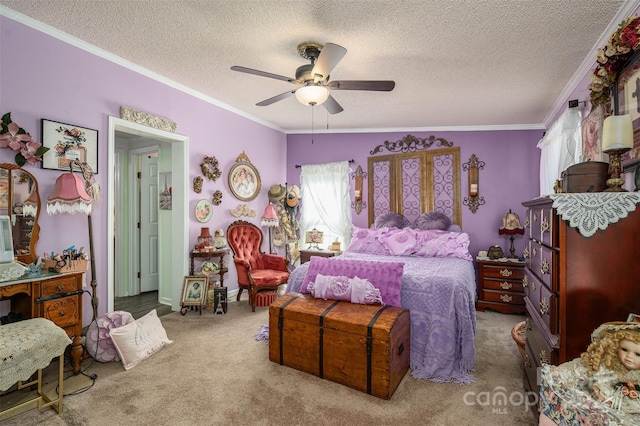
194,291
67,142
592,135
244,179
626,96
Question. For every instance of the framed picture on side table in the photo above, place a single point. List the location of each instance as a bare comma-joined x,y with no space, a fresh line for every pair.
194,292
67,142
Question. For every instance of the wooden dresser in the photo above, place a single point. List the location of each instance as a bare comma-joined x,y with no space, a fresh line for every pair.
500,286
40,297
574,283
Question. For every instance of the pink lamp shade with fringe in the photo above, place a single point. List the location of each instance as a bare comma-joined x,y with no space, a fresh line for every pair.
30,206
69,196
270,219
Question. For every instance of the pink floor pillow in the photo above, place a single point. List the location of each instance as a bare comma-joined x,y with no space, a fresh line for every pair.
99,343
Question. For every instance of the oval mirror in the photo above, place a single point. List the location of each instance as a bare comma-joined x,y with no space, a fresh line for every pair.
20,200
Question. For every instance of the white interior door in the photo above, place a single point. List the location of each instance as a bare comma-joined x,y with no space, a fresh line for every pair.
149,222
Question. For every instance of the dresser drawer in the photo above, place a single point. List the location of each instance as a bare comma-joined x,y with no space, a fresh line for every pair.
62,284
543,225
541,351
543,262
65,312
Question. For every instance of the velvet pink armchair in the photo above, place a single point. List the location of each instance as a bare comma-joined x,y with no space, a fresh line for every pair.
257,271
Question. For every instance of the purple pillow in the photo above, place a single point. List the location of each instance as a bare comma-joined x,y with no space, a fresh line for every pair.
390,220
385,276
401,242
98,341
436,243
365,240
433,220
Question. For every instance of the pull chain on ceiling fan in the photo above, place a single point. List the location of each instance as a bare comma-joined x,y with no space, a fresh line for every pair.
313,78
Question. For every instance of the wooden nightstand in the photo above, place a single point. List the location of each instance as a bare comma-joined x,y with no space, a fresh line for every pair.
500,286
305,255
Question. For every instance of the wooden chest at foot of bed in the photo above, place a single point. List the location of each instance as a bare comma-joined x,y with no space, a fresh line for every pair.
365,347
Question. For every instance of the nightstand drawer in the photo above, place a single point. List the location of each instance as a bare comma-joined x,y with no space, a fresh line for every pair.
503,285
510,272
505,297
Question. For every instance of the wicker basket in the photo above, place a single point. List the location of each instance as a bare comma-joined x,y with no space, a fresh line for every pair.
519,334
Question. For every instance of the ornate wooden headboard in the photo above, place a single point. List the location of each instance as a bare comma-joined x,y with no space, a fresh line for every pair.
414,179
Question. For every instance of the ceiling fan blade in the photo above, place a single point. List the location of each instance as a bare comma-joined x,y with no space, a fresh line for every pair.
277,98
263,73
329,57
376,85
332,106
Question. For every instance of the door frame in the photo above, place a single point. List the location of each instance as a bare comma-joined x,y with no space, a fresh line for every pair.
177,241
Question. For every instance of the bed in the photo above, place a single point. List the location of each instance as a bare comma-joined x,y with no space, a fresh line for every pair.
438,287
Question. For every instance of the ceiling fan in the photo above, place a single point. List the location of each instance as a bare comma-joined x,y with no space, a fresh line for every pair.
313,78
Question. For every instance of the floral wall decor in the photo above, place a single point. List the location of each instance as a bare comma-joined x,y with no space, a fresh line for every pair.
209,167
15,137
622,44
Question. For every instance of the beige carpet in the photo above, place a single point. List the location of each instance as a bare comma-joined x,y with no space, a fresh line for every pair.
216,373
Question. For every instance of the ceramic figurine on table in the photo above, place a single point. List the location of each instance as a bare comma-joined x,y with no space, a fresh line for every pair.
219,241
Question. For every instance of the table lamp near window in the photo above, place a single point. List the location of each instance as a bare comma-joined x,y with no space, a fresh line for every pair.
511,226
71,195
270,219
617,138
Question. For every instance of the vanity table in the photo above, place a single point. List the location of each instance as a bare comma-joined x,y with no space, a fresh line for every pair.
51,295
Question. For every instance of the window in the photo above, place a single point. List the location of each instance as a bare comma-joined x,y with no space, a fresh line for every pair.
326,206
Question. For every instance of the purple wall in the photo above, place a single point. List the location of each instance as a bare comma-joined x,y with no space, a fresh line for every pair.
43,77
510,175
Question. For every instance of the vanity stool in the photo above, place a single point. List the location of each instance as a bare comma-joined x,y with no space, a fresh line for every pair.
26,348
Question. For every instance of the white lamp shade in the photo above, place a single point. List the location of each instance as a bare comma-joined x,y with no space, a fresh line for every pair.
69,196
617,132
312,95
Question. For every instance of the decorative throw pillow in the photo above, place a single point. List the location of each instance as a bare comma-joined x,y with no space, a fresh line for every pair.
365,240
385,276
99,343
390,220
140,339
436,243
400,243
433,220
354,290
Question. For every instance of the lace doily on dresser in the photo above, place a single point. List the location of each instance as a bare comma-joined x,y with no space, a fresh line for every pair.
592,211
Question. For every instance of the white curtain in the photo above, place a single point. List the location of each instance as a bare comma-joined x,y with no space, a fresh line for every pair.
561,147
325,202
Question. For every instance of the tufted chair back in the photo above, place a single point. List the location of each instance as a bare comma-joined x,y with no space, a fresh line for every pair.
257,271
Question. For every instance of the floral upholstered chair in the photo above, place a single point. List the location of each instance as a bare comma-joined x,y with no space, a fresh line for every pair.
257,271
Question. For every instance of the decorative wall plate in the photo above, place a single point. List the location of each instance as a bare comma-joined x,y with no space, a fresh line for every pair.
204,211
209,167
244,179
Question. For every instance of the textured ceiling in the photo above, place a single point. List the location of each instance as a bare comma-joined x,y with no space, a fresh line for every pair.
456,63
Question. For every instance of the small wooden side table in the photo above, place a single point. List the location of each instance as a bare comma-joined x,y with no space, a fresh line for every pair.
305,255
500,286
208,255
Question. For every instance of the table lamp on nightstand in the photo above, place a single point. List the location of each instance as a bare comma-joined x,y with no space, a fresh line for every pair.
511,226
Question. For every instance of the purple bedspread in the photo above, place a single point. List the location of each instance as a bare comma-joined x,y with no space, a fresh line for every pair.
440,294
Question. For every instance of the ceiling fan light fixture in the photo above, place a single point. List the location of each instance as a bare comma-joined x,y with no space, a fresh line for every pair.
312,95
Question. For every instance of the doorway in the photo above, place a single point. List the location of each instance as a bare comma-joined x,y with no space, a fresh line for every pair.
129,140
